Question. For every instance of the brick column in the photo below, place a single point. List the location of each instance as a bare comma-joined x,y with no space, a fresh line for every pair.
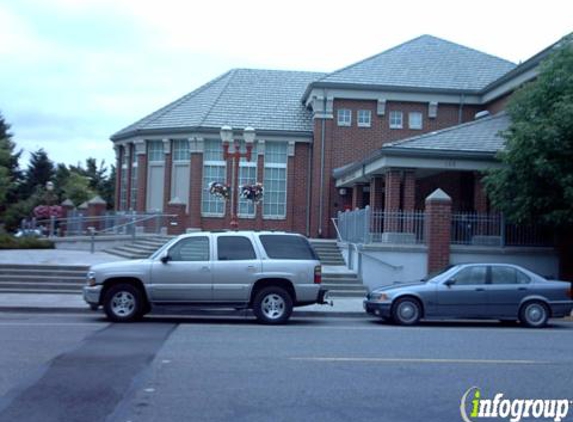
167,173
141,152
195,190
480,198
438,227
409,200
392,199
357,197
176,224
118,151
96,208
377,193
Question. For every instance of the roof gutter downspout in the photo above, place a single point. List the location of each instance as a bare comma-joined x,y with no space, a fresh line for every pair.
322,148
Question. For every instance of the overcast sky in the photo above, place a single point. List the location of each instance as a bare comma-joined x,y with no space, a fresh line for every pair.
73,72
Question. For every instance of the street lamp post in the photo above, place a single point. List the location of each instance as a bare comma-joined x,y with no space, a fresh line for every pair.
235,157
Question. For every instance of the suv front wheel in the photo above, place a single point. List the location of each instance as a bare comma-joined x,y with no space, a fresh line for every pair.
272,305
123,303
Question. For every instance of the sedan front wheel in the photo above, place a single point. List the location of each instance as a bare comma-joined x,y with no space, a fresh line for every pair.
406,311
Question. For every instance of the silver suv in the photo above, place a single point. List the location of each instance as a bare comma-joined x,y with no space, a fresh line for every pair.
268,272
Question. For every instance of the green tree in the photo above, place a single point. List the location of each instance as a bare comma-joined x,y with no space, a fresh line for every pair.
10,174
40,171
536,182
77,188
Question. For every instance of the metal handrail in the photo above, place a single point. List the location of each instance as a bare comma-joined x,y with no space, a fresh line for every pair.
338,235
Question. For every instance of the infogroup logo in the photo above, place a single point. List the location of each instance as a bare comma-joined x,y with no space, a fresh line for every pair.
474,407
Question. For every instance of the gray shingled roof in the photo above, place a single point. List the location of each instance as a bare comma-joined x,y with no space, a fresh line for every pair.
480,135
268,100
476,138
424,62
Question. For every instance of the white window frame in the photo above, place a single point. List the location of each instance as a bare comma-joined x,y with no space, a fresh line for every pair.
155,152
180,151
269,168
396,119
123,181
415,120
245,207
344,117
364,118
209,201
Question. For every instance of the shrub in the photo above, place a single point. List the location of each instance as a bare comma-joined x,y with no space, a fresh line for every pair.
10,242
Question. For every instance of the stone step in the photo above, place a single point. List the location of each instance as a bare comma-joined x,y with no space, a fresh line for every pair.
344,287
59,268
45,286
39,291
44,278
347,293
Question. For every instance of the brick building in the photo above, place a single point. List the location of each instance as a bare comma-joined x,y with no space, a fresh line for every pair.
386,131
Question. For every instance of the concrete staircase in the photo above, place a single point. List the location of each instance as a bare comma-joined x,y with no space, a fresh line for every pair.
60,279
139,249
327,252
336,278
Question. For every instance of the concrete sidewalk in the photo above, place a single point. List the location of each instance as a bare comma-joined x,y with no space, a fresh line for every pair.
74,304
71,303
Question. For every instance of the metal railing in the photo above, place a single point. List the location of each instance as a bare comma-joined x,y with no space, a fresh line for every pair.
112,223
374,226
493,230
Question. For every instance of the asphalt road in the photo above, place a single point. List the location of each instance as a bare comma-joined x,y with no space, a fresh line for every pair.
80,368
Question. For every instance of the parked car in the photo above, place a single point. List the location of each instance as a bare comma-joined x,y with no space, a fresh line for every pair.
28,233
268,272
474,291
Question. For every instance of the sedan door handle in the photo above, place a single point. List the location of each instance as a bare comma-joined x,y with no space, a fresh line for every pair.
522,288
480,289
205,269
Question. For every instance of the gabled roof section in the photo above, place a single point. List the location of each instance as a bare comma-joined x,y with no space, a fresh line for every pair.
268,100
426,62
476,139
480,135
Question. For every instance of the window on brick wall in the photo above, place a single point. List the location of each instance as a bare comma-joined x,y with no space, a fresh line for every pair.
247,176
155,151
344,117
133,184
415,120
180,172
364,118
214,170
123,180
396,120
275,181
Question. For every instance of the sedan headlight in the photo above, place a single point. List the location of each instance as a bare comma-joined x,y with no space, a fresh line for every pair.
379,297
91,278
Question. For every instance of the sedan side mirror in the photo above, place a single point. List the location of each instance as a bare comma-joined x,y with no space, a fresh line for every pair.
165,258
450,282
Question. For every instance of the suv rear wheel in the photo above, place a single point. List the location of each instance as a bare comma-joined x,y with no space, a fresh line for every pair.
123,303
272,305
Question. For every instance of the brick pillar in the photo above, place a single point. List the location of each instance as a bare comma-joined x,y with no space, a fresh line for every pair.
96,208
141,182
409,200
176,224
377,193
68,207
167,179
438,226
392,199
357,197
480,198
195,190
118,151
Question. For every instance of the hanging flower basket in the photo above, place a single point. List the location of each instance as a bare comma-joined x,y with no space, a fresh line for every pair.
220,190
252,192
47,211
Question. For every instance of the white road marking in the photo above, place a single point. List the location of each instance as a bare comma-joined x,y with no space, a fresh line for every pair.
423,360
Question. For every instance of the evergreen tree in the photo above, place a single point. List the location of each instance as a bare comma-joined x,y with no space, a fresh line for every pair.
40,171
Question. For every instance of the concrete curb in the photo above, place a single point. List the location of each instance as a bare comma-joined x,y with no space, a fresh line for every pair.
205,313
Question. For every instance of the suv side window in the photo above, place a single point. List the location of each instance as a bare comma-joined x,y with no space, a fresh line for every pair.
507,275
470,276
191,249
280,246
235,248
